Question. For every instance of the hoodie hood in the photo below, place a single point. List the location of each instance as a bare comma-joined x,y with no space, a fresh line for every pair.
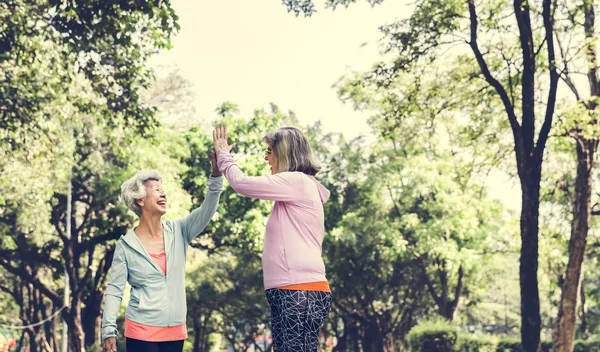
323,192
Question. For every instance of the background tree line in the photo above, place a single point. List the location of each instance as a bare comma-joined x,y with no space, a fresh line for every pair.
412,232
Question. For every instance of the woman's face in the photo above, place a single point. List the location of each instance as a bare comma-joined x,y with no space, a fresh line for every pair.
270,158
155,201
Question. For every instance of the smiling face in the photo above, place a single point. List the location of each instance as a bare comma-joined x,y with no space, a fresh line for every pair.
155,201
271,159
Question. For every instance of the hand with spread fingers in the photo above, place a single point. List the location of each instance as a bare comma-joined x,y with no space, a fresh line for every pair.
220,139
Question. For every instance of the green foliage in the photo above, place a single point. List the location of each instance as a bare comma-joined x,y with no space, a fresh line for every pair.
363,248
587,345
225,293
468,343
509,345
433,336
308,8
47,45
441,337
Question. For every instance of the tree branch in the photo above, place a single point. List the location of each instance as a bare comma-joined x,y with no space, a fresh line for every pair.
24,275
428,282
590,40
565,74
459,287
522,15
547,13
510,110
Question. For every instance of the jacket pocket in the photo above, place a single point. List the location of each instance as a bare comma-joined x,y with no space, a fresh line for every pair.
152,299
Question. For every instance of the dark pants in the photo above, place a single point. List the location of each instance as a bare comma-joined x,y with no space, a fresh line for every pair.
134,345
296,318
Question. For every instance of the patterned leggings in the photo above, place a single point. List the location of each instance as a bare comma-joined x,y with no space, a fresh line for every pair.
296,318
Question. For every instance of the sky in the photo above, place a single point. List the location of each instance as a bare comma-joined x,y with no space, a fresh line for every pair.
253,53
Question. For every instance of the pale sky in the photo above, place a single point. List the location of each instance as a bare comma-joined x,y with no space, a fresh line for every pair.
253,52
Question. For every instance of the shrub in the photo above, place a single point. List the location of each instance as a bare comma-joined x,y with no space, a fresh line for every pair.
474,343
587,346
440,336
433,336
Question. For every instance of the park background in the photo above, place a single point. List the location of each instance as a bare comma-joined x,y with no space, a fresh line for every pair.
458,138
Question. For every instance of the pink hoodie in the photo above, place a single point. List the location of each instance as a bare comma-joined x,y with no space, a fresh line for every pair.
295,230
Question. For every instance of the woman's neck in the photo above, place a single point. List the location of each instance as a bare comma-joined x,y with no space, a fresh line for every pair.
149,226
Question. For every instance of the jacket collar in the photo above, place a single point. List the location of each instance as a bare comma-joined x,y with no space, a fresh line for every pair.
134,242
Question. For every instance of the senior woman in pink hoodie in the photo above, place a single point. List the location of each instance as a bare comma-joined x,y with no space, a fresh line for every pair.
293,268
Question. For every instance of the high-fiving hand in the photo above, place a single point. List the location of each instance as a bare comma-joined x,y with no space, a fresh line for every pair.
215,167
220,139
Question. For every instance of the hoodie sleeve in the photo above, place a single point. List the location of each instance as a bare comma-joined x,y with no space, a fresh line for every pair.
114,293
194,223
283,187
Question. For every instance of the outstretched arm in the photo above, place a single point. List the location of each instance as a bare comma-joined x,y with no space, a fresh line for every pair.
194,223
285,187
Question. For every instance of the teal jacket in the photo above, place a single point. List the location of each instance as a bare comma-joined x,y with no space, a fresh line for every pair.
156,299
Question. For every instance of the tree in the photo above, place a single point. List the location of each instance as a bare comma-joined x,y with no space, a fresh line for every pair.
582,126
375,281
78,65
47,45
512,70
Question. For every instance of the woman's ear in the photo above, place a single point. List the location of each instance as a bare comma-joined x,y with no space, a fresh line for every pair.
140,202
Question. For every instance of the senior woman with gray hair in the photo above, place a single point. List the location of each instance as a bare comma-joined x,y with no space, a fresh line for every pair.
151,258
293,269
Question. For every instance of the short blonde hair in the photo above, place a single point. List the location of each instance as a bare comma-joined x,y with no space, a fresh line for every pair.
134,189
292,150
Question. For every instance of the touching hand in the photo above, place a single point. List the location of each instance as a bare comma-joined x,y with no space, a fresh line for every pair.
215,167
220,139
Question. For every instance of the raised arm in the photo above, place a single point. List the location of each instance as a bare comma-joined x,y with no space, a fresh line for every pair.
194,223
285,187
114,293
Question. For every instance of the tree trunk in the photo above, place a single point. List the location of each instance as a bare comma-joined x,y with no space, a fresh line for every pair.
584,324
197,335
528,262
33,345
341,338
529,154
450,305
563,334
372,339
91,324
390,344
76,335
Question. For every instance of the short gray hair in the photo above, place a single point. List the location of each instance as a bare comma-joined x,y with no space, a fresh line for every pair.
292,150
134,189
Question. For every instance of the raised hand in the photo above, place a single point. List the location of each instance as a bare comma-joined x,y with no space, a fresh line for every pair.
220,139
215,166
